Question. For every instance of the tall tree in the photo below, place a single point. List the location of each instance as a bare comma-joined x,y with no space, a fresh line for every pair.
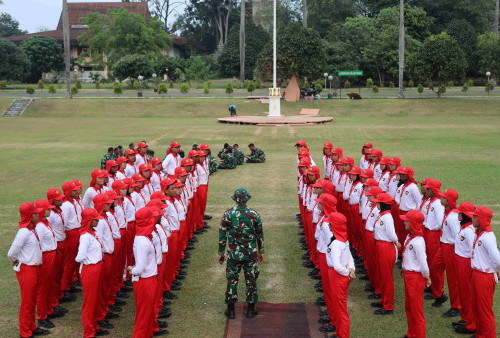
325,15
497,8
401,48
242,42
67,51
44,53
9,26
488,50
14,65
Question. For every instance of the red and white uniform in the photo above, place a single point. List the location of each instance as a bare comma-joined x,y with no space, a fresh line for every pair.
138,199
327,162
433,226
383,181
408,197
89,195
131,170
392,186
72,214
171,162
377,172
140,159
364,163
386,253
155,181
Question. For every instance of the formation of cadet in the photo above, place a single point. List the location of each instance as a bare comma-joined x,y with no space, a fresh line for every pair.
362,218
241,229
131,230
230,157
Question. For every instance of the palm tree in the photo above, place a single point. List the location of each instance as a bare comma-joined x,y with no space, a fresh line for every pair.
401,47
242,43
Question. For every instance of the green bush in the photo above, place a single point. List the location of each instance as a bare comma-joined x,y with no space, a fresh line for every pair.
97,85
78,84
442,89
347,84
117,88
489,87
450,84
411,84
237,85
470,83
171,84
391,84
431,86
420,88
177,73
375,89
257,84
250,86
369,83
465,88
209,84
30,90
52,89
162,88
206,89
59,85
40,84
184,88
3,84
319,87
74,90
229,88
247,82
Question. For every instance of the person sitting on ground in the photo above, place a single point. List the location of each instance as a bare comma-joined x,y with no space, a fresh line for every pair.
108,156
226,150
238,154
228,161
256,155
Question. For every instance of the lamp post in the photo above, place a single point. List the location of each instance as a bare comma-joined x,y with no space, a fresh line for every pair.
166,74
274,93
325,76
488,74
155,81
488,84
330,78
139,90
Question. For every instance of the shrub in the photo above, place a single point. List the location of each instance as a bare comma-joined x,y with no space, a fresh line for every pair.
59,85
40,84
450,84
250,86
237,85
74,90
190,84
489,87
209,84
347,84
171,84
206,89
375,89
30,90
420,88
3,84
117,88
229,88
177,73
247,82
391,84
369,83
411,84
470,83
162,88
52,89
319,87
431,86
442,90
78,84
184,88
97,85
465,88
257,84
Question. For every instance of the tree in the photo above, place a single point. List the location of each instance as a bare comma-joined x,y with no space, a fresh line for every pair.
228,58
488,51
463,33
164,62
497,9
122,33
131,66
197,69
325,14
9,26
67,46
14,64
242,41
44,53
299,51
439,59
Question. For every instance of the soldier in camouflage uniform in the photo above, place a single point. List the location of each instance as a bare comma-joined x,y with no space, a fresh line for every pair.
256,155
227,161
109,156
238,155
212,164
241,227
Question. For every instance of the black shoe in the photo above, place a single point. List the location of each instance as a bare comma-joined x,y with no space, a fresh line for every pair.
369,288
252,310
302,233
120,302
175,287
162,324
313,272
365,277
302,240
316,277
185,261
68,297
164,313
327,328
459,323
463,330
428,290
169,295
105,324
205,217
111,315
374,296
320,290
167,303
451,313
57,313
115,308
77,284
102,333
318,285
40,332
180,277
60,309
377,304
121,294
383,312
323,313
160,333
183,273
74,290
128,283
320,303
230,311
361,271
308,265
324,320
429,296
439,301
190,248
46,323
183,267
187,255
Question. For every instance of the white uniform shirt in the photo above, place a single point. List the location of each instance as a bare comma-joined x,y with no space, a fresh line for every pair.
139,200
46,236
435,215
89,250
129,209
377,172
155,181
25,249
181,209
371,218
342,182
364,207
56,221
356,191
312,203
147,190
316,213
408,197
140,159
202,174
87,200
120,216
326,166
163,236
393,187
130,170
120,176
323,235
145,260
173,216
103,231
157,244
72,214
451,227
414,257
170,163
347,189
340,257
384,228
485,255
464,241
363,163
383,181
115,229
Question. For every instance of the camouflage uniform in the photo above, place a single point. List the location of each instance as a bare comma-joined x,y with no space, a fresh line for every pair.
227,162
106,158
242,228
239,156
212,164
257,156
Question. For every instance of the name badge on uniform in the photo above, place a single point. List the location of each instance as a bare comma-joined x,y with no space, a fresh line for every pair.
462,238
479,243
328,250
355,190
381,223
446,223
407,192
411,247
383,179
432,208
372,215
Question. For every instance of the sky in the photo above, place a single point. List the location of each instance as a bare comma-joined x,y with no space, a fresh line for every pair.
36,14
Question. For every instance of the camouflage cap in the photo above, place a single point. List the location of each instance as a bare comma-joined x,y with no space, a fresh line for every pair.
241,195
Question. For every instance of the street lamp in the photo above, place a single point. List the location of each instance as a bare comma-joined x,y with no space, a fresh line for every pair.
325,76
166,74
330,78
155,81
139,90
488,74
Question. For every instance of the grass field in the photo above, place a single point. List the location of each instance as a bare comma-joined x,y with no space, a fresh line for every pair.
456,141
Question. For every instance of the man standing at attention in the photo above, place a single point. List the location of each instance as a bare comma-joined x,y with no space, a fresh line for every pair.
242,228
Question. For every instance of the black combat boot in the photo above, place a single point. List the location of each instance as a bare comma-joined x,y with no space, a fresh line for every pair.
251,311
230,311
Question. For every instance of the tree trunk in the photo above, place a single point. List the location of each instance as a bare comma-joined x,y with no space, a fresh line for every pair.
304,13
496,17
380,77
242,43
220,29
67,52
227,23
401,48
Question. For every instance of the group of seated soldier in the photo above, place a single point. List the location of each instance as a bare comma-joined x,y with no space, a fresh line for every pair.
230,157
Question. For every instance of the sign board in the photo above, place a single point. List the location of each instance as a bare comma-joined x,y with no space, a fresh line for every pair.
350,73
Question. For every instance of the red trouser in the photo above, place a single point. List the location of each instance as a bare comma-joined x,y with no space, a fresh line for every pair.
122,259
90,277
117,270
445,260
414,303
180,248
340,284
371,260
159,290
70,265
105,282
432,244
203,191
465,291
327,292
356,223
145,294
399,225
386,256
130,243
44,291
57,273
29,278
483,288
172,258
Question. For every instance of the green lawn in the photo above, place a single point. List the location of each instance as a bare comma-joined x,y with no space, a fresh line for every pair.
456,141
